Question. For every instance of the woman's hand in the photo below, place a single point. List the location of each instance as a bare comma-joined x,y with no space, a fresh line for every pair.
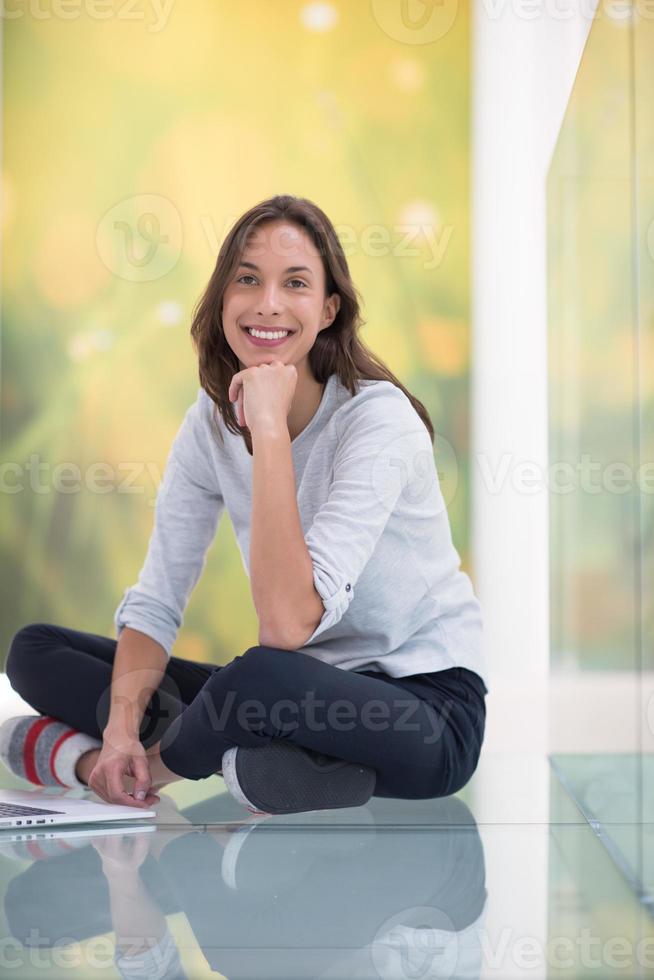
122,852
119,757
264,394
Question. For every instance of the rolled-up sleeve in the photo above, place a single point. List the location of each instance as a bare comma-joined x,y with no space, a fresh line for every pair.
374,463
187,511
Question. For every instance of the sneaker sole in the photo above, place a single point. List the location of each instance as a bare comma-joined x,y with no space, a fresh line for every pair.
281,778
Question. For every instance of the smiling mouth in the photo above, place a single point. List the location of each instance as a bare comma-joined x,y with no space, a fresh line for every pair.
268,330
268,334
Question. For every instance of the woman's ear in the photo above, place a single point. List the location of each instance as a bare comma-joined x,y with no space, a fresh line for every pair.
333,305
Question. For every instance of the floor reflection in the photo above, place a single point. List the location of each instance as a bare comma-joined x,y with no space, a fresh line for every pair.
263,900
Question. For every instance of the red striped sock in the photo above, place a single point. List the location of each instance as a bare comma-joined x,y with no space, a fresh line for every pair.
44,750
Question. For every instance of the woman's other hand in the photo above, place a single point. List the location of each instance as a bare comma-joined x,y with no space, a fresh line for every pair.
120,757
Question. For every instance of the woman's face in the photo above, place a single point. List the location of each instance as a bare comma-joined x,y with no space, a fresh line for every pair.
269,293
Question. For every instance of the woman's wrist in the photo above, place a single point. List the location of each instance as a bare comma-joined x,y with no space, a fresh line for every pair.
122,873
119,731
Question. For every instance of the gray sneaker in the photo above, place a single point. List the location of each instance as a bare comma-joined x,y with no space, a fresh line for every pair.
280,777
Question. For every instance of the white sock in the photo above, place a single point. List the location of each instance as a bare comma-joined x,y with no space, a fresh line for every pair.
44,750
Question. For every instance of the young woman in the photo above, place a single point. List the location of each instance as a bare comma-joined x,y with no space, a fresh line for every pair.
369,677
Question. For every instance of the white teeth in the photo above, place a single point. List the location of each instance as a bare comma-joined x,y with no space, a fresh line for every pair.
268,334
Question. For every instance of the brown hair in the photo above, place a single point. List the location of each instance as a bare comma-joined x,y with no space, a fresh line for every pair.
337,349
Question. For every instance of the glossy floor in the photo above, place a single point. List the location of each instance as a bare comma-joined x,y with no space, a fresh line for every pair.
616,795
505,879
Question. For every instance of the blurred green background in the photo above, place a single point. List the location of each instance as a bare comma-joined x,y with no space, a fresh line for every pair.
600,199
131,145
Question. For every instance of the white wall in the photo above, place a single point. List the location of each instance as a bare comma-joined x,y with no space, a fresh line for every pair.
523,73
524,61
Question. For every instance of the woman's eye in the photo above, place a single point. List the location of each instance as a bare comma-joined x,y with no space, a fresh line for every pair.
248,276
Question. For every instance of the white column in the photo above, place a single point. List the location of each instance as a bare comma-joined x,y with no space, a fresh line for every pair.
523,74
524,59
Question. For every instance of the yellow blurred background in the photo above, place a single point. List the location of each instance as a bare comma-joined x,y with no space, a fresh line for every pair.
134,136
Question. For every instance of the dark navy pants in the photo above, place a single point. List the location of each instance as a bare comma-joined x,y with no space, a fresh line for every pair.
422,733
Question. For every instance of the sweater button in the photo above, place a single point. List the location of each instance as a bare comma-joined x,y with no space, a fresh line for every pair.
348,587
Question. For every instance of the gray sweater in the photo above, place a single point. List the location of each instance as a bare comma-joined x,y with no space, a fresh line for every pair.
374,521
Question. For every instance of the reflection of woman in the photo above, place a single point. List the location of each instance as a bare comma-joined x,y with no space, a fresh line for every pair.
144,944
368,677
347,898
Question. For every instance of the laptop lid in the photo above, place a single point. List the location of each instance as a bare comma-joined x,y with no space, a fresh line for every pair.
31,808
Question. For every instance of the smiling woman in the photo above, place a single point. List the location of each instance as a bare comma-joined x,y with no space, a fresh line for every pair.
275,307
282,267
325,465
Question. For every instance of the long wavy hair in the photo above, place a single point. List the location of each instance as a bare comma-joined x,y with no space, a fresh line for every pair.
337,349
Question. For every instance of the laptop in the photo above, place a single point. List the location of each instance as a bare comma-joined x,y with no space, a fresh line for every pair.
32,808
9,837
